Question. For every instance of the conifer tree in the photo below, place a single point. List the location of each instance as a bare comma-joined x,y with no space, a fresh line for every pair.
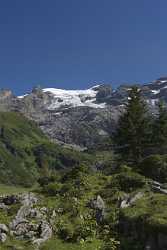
131,137
159,136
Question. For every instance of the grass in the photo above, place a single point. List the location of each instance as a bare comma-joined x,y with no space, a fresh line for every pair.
151,211
6,189
56,244
53,244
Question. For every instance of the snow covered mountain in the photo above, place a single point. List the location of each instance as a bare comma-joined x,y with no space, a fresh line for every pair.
71,98
80,117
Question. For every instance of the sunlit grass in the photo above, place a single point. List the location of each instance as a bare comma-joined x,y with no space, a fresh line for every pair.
6,189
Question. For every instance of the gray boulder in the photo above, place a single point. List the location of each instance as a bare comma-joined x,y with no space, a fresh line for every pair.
3,228
3,237
45,233
99,206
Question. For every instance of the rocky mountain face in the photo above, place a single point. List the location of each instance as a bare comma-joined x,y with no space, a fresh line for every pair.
79,117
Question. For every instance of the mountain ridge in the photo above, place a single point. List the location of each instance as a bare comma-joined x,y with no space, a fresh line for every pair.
80,117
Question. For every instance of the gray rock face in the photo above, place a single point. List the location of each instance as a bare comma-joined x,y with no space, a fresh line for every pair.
128,201
46,233
3,237
22,228
3,228
99,206
3,232
84,118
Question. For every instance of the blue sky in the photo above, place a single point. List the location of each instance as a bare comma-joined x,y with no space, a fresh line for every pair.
78,43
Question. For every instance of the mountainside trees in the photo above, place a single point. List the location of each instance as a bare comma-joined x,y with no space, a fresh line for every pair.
131,137
138,134
159,132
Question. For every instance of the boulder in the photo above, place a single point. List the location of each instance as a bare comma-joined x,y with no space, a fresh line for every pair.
3,206
10,200
3,228
99,206
3,237
127,201
45,233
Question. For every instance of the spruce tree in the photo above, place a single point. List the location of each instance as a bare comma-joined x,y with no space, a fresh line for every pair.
132,133
159,136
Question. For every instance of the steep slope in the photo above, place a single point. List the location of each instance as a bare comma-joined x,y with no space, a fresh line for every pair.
80,117
25,151
73,116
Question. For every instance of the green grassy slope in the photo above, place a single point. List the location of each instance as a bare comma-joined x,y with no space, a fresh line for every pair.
25,151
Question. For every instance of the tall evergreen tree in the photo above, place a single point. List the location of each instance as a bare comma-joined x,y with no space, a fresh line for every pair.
159,136
132,132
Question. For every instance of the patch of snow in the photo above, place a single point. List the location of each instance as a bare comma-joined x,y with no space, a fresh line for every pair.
155,92
163,81
22,96
73,98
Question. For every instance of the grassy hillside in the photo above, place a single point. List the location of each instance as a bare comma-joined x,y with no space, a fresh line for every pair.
25,152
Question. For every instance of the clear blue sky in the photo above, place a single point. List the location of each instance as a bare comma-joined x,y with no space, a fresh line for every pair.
75,43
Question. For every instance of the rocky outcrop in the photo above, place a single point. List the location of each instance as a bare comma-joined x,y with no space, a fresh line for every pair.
99,206
3,232
129,200
83,117
45,233
30,222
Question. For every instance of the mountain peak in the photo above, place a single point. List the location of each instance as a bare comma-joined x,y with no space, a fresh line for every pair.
161,80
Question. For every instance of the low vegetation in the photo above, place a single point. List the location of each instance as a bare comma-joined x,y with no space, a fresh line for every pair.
110,198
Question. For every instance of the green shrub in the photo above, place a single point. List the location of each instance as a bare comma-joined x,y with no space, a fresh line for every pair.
52,188
76,230
110,244
128,181
155,167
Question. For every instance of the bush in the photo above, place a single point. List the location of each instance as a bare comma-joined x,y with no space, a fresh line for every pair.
76,230
65,230
43,181
128,181
110,244
155,167
52,188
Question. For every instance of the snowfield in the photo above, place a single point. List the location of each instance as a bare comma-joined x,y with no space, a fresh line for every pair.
72,98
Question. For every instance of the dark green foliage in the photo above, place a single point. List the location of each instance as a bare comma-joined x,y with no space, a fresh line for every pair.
76,231
131,137
53,188
45,180
155,167
55,157
128,181
110,244
159,133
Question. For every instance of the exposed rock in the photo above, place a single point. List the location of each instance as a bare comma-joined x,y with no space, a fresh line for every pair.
10,200
158,187
45,233
3,228
83,118
3,206
22,228
128,200
28,199
99,206
3,237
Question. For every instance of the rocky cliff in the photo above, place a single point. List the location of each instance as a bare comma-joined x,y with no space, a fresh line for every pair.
80,117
